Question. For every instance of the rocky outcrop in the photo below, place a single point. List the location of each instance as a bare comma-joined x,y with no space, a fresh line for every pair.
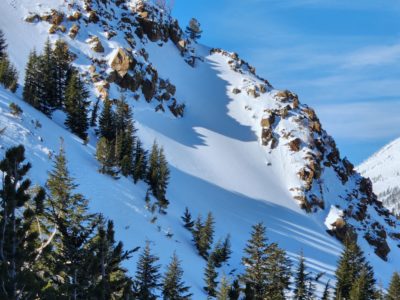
95,44
122,61
236,91
73,32
295,144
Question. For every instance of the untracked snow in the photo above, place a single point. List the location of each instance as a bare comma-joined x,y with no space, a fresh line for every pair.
384,170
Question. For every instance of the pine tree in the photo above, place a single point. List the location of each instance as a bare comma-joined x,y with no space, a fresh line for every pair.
234,292
221,251
193,29
62,68
147,275
105,155
197,233
209,230
210,277
76,106
75,228
31,92
18,243
158,175
301,281
3,45
107,121
224,288
47,80
125,138
203,235
139,162
187,219
249,293
216,254
394,287
93,117
173,288
278,273
255,261
351,264
8,74
163,179
360,288
109,278
326,294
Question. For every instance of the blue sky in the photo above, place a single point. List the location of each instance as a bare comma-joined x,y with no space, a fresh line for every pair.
341,57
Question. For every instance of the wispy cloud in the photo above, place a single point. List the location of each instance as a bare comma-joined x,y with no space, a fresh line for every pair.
374,56
362,121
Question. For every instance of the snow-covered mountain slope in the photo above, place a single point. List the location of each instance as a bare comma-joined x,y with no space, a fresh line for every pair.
242,149
384,170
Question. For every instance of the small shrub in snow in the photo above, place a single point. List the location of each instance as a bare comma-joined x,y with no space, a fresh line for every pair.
15,109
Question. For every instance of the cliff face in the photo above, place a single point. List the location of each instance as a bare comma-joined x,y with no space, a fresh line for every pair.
237,146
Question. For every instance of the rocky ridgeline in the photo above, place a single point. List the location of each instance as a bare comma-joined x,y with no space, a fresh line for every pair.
129,67
294,126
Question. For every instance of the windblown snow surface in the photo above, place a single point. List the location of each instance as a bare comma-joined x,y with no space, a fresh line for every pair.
216,159
383,168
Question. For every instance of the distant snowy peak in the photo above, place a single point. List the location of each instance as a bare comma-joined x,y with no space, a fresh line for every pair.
383,168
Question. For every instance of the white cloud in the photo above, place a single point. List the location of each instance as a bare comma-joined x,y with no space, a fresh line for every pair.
362,121
374,56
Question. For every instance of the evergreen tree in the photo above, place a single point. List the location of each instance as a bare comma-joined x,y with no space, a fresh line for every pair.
163,179
147,275
326,294
197,233
158,175
277,268
3,45
105,155
75,228
139,162
193,29
255,262
210,277
394,287
249,292
107,121
209,229
62,67
234,292
93,118
8,74
360,288
222,251
31,93
187,219
18,243
203,235
109,278
173,288
125,138
302,281
351,264
224,288
76,106
47,80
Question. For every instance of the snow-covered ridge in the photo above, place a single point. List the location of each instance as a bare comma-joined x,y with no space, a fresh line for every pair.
243,150
383,168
